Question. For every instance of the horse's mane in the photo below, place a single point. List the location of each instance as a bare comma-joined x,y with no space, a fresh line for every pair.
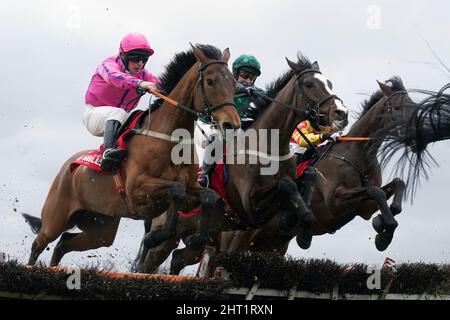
179,65
278,84
396,84
430,123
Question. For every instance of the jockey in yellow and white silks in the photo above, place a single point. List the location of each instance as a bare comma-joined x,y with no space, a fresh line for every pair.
314,135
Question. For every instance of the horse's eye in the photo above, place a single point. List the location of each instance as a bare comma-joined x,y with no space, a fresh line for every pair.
209,82
309,84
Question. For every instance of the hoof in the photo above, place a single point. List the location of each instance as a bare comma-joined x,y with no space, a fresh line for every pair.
377,224
304,242
381,242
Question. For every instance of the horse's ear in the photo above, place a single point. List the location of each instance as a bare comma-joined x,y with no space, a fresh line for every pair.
387,90
199,54
226,55
294,66
315,66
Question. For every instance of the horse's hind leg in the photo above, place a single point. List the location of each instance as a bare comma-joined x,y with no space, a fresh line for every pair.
177,195
39,244
53,224
399,187
142,253
156,256
184,257
92,237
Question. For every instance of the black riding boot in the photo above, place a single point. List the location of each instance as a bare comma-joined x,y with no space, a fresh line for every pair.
205,175
209,162
111,156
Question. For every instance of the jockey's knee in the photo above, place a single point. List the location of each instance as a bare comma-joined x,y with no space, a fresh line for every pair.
94,118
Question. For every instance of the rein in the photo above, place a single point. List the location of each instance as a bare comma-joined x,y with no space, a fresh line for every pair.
313,109
208,107
364,178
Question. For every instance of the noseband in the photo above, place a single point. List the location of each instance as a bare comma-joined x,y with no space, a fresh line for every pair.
313,108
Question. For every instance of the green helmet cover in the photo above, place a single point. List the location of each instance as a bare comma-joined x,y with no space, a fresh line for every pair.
247,61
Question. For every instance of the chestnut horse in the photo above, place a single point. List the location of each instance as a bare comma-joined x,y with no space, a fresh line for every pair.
200,81
254,197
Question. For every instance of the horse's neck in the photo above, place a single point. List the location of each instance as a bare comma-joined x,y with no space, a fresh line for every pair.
167,118
277,117
370,123
366,127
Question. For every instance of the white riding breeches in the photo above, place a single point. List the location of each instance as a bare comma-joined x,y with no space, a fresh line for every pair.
94,118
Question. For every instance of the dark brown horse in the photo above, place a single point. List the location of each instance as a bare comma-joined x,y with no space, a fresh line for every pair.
198,79
348,185
349,179
255,197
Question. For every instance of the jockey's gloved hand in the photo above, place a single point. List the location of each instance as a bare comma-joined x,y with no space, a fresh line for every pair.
331,136
250,90
240,89
246,122
148,86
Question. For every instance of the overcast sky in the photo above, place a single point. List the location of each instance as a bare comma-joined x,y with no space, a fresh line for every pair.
50,50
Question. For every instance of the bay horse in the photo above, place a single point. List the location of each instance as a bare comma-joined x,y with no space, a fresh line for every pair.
200,81
255,198
349,179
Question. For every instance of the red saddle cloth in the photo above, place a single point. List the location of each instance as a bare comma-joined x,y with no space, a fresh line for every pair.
301,167
93,159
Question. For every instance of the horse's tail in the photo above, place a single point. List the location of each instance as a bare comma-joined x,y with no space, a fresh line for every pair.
34,222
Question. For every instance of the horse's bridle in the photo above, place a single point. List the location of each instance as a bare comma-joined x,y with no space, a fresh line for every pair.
313,108
387,103
364,177
209,109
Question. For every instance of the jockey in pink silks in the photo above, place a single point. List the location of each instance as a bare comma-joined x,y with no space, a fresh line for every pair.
112,93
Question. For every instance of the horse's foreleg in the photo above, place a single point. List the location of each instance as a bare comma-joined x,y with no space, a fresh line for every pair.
297,213
354,197
397,187
307,185
208,201
177,195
